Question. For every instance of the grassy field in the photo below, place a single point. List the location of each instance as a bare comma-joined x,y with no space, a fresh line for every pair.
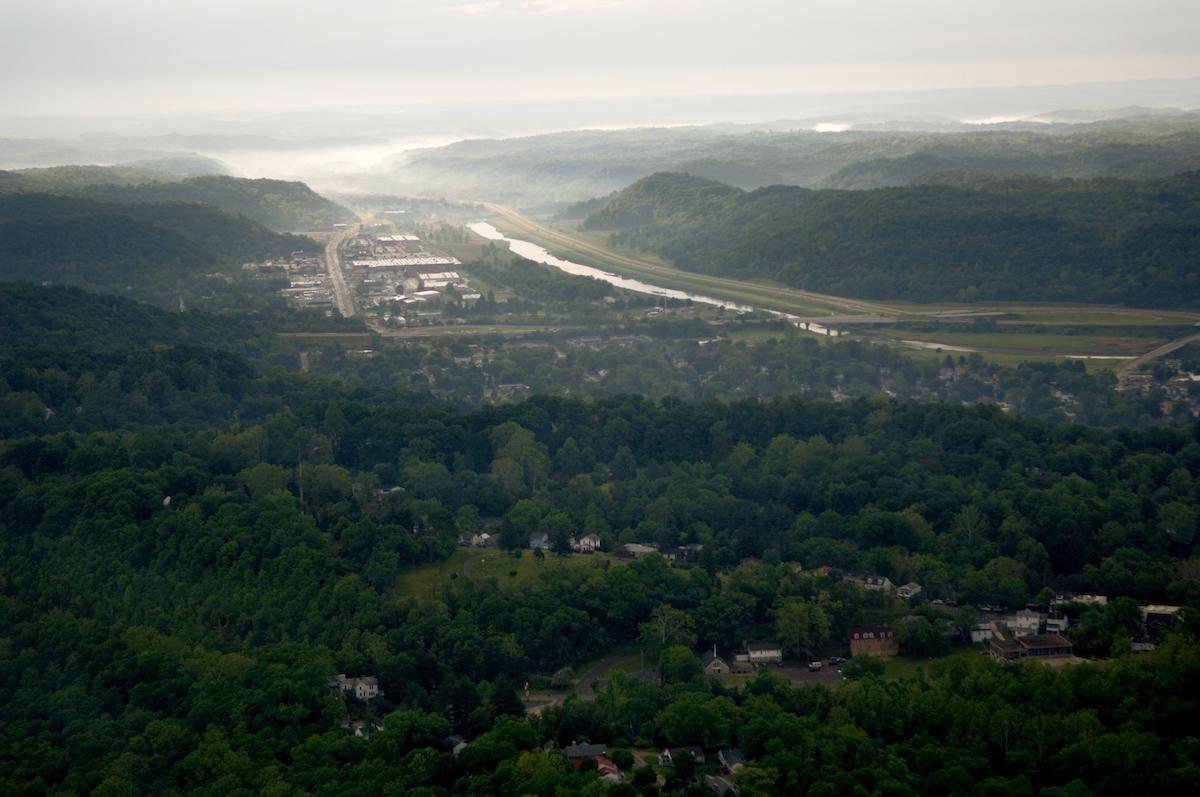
908,667
347,338
482,565
457,330
1007,359
1036,344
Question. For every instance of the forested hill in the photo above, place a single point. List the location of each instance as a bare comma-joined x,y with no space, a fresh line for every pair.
57,317
1110,241
150,251
278,204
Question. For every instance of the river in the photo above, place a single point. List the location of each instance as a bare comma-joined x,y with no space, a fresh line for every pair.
538,254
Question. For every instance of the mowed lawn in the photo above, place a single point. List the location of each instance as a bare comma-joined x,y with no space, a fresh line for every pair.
482,565
909,667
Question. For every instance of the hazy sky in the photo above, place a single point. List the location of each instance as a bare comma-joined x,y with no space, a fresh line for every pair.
73,56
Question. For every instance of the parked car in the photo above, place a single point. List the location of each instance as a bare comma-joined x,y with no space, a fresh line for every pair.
815,666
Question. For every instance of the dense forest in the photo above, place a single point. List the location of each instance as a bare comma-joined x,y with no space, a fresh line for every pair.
175,600
155,252
197,540
1102,241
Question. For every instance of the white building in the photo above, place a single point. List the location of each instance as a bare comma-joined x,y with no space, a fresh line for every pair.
366,688
588,543
1026,622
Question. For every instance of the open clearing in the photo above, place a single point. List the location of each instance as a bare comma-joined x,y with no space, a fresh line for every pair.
484,564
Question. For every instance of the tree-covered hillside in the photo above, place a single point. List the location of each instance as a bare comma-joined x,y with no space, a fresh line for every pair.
65,317
1104,241
76,177
149,251
195,637
278,204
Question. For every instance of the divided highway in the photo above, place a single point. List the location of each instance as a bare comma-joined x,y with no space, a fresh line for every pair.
337,278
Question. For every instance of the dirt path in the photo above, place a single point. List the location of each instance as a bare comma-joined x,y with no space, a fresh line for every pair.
583,685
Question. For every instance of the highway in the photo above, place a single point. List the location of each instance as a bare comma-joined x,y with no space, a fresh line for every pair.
337,278
715,286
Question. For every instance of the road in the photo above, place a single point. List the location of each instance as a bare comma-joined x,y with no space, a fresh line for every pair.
1133,365
337,278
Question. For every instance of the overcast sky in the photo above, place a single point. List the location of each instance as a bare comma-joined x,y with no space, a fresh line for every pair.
84,56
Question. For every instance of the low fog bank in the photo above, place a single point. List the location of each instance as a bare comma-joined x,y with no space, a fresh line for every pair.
369,149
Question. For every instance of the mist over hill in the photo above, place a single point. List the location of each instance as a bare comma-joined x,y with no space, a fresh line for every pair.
545,170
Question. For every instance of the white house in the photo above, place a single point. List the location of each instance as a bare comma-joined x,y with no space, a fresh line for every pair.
366,688
982,632
1026,622
1056,623
588,543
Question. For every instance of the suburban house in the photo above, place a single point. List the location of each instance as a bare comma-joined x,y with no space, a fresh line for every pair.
759,653
457,744
638,550
683,553
1158,614
1026,622
720,786
1086,600
1056,623
361,688
578,753
539,540
877,583
482,540
670,755
741,662
731,760
607,770
981,632
1042,646
909,590
714,664
588,543
878,640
